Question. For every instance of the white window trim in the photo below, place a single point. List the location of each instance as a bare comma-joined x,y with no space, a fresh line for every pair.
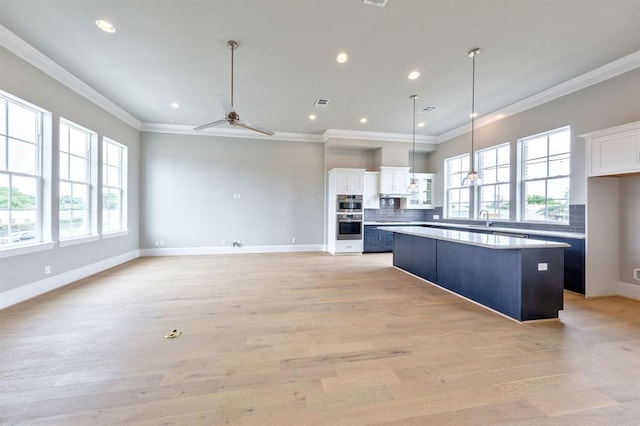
520,199
476,189
25,249
93,188
78,240
124,184
445,209
115,234
43,183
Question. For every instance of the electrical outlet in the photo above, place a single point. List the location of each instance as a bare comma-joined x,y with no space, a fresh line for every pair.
157,243
543,267
436,216
47,269
161,242
293,240
224,242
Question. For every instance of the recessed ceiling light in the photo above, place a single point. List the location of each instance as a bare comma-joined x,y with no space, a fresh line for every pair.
105,26
312,117
500,116
342,57
413,75
175,105
421,124
363,120
473,115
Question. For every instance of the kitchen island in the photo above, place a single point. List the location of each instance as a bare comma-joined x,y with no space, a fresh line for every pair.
521,278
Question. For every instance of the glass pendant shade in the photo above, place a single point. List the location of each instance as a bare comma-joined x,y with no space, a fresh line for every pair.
413,186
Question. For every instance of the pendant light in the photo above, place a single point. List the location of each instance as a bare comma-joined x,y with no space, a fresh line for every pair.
472,177
413,186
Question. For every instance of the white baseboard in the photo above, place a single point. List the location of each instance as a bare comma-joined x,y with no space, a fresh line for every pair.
25,292
632,291
195,251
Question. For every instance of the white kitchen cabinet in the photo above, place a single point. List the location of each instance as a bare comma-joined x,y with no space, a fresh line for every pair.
423,198
394,180
349,181
614,151
371,198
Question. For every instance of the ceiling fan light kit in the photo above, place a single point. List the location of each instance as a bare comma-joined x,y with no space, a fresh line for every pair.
231,117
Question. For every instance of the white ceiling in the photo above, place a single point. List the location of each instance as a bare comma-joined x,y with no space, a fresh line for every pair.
175,50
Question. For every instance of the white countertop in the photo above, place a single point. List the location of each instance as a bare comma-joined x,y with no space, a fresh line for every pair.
575,235
473,238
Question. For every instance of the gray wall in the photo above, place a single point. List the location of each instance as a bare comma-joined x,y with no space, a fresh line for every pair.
609,103
188,186
27,82
629,227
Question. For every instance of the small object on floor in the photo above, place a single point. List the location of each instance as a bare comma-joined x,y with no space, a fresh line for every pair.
173,334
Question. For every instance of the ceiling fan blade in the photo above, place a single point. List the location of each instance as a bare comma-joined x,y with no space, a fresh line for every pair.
225,104
254,128
212,124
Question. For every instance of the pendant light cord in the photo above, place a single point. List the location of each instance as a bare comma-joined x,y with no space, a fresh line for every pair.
473,105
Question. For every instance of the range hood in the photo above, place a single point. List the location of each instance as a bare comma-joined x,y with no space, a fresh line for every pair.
396,195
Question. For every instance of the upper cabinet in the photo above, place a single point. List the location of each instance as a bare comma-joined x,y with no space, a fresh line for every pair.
423,197
371,198
394,180
614,151
348,181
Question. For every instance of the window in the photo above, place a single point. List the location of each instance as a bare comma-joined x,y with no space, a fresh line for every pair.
493,190
76,189
545,176
114,186
456,194
20,172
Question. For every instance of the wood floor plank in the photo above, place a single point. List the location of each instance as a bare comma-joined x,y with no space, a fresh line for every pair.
307,339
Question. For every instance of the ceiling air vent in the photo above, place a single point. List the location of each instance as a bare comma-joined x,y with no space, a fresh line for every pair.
321,103
381,3
428,109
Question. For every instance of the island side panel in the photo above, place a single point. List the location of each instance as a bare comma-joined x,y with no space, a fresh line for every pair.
542,290
488,276
416,255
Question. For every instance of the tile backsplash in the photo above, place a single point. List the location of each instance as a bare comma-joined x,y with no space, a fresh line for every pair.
391,212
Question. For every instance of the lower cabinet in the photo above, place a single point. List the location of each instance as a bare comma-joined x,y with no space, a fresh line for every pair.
376,241
573,262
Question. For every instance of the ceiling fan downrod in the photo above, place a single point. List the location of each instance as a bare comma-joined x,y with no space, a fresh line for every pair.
233,45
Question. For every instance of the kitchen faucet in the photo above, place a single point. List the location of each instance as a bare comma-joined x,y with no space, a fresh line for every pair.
487,223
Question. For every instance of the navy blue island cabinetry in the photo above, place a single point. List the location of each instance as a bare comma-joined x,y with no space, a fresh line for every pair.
520,278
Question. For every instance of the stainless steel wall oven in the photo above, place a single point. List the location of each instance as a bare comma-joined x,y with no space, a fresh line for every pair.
346,203
349,227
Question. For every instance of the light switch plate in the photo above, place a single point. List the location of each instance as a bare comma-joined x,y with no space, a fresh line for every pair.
543,267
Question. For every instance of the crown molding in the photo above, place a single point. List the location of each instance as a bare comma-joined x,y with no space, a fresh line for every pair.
283,136
375,136
227,133
22,49
605,72
28,53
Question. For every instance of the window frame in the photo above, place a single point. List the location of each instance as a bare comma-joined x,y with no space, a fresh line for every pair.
90,181
447,176
523,180
478,188
41,229
122,189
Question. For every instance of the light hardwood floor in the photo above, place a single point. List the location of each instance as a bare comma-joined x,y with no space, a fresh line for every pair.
307,338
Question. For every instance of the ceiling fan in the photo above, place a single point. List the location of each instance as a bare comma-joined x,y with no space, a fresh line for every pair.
230,115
